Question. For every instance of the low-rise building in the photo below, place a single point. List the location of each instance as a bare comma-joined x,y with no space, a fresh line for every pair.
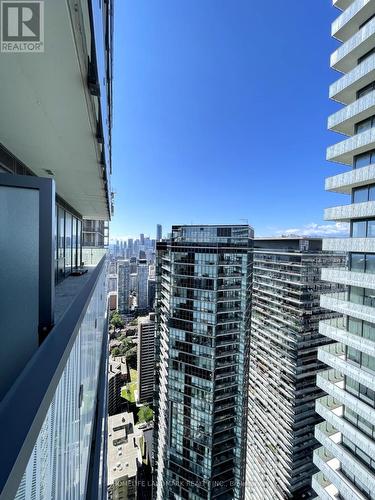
124,457
117,377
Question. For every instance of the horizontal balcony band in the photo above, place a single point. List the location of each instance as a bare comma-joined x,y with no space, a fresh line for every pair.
339,334
345,182
345,277
330,467
331,411
332,382
344,120
344,151
349,244
323,488
352,17
333,356
327,436
345,58
345,213
345,89
341,4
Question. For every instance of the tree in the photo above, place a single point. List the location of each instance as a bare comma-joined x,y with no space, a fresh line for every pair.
116,352
145,414
116,321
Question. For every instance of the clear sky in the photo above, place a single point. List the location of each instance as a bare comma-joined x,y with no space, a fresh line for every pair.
220,112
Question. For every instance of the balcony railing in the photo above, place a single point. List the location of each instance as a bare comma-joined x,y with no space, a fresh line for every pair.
353,211
344,151
344,89
343,183
346,56
55,396
342,28
344,120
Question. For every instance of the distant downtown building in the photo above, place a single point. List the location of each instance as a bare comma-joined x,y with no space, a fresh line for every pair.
142,284
203,312
146,358
159,232
284,340
347,457
123,285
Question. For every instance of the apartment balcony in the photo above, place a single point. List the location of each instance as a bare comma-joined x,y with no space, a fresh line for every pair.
345,213
342,4
335,480
345,182
344,151
335,330
324,489
345,58
344,120
54,398
344,277
345,89
346,25
332,382
330,438
361,245
333,355
332,412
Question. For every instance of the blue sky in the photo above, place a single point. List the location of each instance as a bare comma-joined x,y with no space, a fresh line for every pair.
220,112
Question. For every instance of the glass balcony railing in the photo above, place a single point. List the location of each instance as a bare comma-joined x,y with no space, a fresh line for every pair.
49,417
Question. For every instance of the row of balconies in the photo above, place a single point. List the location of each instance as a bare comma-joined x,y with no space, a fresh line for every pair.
347,24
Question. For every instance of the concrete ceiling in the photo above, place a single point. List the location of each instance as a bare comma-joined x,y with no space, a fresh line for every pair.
46,115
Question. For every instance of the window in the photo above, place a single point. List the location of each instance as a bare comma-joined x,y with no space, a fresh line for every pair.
371,229
359,229
356,295
360,195
366,56
357,262
364,159
370,263
368,330
365,125
366,90
355,326
353,355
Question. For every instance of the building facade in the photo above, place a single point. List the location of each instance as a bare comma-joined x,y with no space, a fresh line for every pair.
117,378
142,284
202,340
284,341
347,434
146,358
123,285
55,170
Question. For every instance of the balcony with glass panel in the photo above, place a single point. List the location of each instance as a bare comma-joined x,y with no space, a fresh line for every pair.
59,388
342,4
345,58
345,182
345,213
344,151
357,13
334,480
331,440
345,277
335,329
339,302
344,120
345,89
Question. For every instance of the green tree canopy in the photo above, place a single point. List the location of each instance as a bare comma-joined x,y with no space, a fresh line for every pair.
145,414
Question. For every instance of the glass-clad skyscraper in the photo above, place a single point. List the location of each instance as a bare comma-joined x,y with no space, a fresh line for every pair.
203,313
346,458
284,341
